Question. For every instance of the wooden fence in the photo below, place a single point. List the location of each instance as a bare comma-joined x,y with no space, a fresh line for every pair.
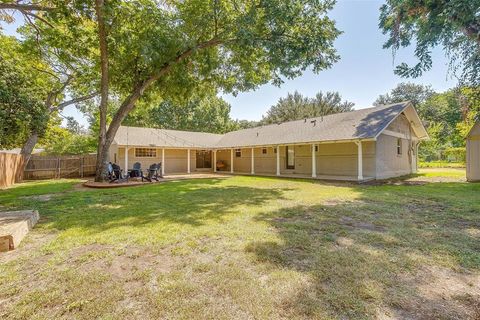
10,169
48,167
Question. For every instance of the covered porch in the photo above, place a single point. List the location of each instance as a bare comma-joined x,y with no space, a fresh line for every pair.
343,160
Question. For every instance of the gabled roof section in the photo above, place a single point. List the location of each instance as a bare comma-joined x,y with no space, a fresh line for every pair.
360,124
136,136
355,125
475,131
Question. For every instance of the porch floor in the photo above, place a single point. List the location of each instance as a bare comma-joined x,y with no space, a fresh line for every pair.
304,176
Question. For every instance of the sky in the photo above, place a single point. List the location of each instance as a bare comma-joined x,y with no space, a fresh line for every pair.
365,69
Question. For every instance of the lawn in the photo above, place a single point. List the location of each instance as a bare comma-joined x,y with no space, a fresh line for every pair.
247,247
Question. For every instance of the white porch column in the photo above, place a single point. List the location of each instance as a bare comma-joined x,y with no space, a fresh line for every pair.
360,160
253,162
188,161
214,160
163,161
314,162
231,160
125,169
278,160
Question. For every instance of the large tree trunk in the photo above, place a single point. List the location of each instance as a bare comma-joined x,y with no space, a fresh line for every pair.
29,145
102,150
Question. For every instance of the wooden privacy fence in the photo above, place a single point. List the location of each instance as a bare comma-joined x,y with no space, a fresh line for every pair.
49,167
11,166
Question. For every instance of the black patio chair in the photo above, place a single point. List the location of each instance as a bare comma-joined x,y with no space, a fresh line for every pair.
118,172
152,172
115,173
136,172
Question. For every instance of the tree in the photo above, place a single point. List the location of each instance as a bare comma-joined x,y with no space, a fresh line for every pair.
453,24
207,114
62,141
406,91
169,48
22,92
295,107
70,78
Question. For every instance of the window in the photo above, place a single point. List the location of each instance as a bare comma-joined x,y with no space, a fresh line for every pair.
238,153
399,147
290,157
264,150
316,148
275,149
145,152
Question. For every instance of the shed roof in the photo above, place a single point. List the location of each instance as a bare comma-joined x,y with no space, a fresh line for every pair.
475,131
355,125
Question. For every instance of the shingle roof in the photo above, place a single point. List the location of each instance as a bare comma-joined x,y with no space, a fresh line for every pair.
359,124
135,136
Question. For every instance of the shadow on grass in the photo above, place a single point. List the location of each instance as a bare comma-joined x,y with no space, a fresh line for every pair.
363,256
187,202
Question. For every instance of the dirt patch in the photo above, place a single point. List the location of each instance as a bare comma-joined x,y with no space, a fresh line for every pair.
441,293
344,242
30,245
425,205
121,263
364,225
336,202
40,198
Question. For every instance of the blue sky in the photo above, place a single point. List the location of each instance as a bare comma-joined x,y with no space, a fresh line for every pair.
364,71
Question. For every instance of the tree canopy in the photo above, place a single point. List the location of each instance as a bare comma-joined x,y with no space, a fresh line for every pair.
295,106
207,113
22,92
455,25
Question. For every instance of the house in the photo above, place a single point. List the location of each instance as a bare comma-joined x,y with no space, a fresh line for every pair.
373,143
473,153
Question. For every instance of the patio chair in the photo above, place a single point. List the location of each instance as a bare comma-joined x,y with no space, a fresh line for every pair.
136,171
110,174
118,173
152,173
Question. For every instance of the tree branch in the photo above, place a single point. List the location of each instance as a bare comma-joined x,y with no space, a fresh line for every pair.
129,103
24,7
62,105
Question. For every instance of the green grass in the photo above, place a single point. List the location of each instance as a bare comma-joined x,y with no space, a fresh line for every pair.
441,164
245,247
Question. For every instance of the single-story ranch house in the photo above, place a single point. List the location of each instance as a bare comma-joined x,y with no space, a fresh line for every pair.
372,143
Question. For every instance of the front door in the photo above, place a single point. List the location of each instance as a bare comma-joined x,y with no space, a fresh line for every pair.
204,159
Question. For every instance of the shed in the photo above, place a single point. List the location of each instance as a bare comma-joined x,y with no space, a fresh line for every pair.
473,153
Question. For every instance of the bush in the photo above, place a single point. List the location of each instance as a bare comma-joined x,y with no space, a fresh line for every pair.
458,154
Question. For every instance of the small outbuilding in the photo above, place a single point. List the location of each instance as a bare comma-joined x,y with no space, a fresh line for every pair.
473,153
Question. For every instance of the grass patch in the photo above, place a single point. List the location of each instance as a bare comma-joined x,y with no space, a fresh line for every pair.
246,247
441,164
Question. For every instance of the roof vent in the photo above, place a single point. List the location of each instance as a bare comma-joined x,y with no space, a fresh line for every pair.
314,122
305,121
257,134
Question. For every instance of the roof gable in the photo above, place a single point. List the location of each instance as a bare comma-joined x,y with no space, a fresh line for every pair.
475,131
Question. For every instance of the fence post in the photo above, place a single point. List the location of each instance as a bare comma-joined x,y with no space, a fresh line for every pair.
81,166
59,170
